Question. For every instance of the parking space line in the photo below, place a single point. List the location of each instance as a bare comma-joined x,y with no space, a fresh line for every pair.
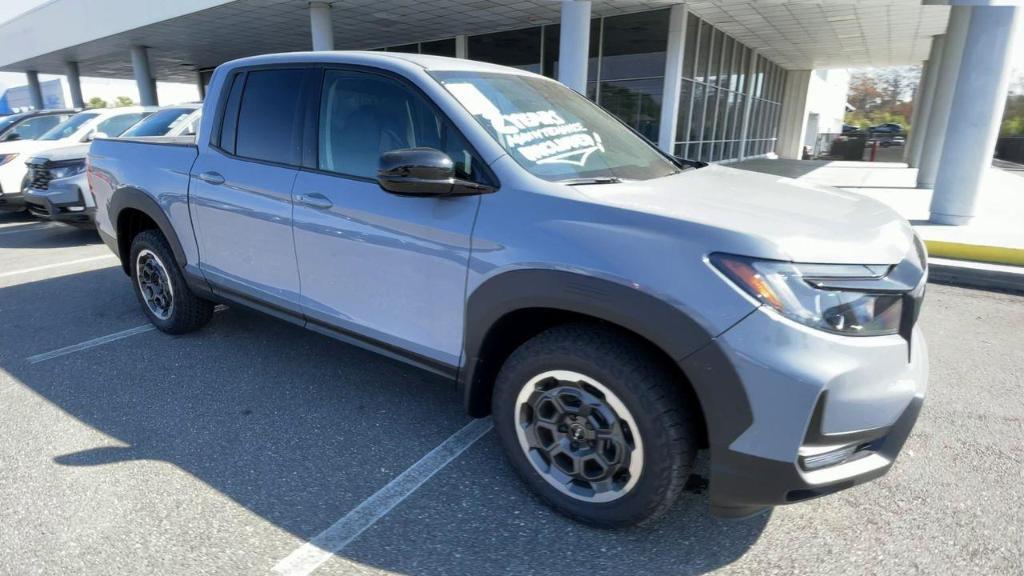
312,554
89,344
27,228
56,265
99,341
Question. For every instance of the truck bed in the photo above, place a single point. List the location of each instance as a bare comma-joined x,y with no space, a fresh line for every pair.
155,166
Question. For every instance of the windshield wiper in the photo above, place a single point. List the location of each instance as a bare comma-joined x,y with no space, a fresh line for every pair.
597,180
691,163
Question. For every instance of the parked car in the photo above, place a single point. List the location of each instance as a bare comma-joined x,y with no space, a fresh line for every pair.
614,309
887,128
31,125
57,186
848,128
82,127
888,141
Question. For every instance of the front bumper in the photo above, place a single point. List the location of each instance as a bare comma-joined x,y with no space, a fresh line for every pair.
12,201
774,392
62,201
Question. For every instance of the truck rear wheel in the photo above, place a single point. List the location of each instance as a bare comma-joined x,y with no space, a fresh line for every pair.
593,422
161,289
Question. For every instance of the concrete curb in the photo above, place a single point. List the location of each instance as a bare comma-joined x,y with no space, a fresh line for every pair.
976,252
976,275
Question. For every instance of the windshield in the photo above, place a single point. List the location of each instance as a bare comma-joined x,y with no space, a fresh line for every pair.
7,121
68,127
159,123
553,132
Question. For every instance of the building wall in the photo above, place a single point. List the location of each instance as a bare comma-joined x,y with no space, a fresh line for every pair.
826,97
18,99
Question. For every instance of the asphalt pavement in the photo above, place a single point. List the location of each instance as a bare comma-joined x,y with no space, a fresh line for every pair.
127,451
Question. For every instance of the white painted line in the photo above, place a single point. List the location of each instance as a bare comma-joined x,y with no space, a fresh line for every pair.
89,344
100,341
312,554
56,265
28,228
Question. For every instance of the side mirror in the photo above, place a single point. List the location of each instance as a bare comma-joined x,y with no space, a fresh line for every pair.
95,135
12,137
423,172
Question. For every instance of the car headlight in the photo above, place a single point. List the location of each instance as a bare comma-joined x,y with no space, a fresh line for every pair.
68,169
5,158
799,292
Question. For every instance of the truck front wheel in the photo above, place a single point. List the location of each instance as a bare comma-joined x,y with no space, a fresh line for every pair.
161,289
593,422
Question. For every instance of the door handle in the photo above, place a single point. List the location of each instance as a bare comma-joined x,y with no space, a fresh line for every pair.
212,178
315,200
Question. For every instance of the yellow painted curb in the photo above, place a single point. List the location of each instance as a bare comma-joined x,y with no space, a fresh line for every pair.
975,252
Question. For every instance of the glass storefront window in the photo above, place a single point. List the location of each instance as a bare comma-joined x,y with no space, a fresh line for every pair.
439,47
515,48
635,102
633,46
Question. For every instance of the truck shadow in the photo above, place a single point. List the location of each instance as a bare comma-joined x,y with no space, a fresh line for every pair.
299,429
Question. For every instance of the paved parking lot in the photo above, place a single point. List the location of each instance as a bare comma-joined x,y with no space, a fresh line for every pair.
226,450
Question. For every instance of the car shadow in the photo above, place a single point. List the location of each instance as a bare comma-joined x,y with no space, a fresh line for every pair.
22,230
300,429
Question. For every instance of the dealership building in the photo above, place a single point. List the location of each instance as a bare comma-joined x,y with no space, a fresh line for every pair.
717,80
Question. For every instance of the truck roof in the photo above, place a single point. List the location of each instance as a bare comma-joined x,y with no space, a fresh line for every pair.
387,60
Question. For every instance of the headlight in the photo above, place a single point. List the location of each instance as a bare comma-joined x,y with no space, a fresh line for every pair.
5,158
796,291
69,169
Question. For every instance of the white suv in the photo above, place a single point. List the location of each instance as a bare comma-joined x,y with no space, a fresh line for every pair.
81,127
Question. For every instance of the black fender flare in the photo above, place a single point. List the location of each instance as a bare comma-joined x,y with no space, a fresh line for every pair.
667,327
132,198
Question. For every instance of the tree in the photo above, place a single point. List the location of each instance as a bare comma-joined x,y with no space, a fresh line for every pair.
123,101
96,102
882,95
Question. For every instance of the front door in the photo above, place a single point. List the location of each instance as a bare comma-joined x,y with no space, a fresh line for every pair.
388,268
241,189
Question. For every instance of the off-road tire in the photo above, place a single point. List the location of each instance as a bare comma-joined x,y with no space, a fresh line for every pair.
187,312
664,413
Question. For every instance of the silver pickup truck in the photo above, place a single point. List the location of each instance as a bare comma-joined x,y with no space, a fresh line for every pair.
615,309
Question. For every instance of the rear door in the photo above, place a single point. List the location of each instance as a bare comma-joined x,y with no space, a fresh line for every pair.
240,191
390,269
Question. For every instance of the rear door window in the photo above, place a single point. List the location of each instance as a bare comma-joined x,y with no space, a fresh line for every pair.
270,116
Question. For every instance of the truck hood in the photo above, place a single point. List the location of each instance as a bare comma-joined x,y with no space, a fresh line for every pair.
767,216
73,152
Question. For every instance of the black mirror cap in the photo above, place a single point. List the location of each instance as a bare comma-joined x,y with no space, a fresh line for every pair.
423,172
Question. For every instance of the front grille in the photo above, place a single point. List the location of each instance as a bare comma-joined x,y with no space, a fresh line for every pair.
40,177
